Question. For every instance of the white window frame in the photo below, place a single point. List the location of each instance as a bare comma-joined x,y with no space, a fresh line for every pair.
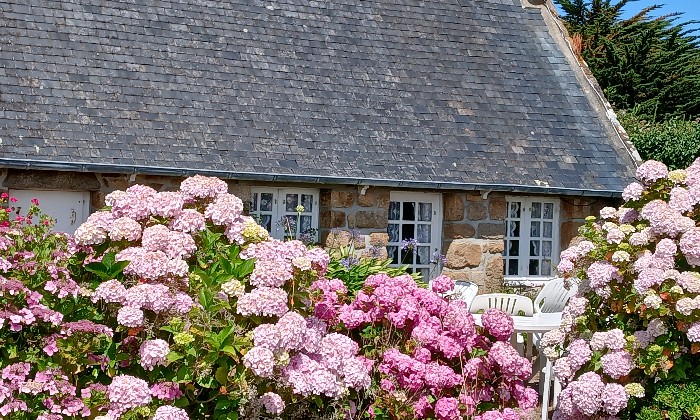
525,237
279,210
435,229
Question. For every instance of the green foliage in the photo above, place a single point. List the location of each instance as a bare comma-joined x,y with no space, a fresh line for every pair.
353,271
675,142
674,401
646,65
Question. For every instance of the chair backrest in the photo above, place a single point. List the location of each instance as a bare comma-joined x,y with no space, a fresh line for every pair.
466,290
554,296
508,303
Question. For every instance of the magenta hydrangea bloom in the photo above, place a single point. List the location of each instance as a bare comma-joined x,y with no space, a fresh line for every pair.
447,408
442,284
497,323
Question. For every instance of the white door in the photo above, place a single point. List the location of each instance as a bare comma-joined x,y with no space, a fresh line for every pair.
69,208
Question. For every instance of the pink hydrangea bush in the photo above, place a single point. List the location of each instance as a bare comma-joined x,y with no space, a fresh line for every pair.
431,360
204,297
633,326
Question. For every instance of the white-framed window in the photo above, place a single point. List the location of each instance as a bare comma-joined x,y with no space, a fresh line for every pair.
69,208
415,216
276,210
531,248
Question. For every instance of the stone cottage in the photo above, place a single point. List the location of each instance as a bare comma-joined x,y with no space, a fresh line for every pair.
467,126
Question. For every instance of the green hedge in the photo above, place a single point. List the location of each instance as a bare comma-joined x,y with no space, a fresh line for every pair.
675,142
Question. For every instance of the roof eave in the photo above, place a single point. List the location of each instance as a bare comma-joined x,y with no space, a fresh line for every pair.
30,164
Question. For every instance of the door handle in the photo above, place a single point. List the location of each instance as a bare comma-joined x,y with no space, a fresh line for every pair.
73,216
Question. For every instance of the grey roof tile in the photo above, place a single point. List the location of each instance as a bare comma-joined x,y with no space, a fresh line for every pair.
378,89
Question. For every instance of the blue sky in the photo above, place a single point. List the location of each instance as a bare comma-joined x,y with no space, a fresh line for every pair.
690,8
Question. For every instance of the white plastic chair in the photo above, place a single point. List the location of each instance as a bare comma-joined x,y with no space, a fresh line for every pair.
508,303
554,296
466,291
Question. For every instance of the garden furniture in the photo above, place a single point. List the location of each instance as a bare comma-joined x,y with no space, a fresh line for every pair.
554,296
539,323
509,303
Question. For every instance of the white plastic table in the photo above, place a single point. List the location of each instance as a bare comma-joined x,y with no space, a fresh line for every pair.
539,323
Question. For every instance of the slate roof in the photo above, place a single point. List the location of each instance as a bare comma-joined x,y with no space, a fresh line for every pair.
448,93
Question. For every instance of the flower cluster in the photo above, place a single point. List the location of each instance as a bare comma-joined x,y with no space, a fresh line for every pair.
635,320
444,365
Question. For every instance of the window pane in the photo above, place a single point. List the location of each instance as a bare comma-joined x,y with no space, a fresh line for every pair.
535,229
394,210
423,255
514,248
514,229
409,211
534,268
266,221
536,210
307,200
265,202
408,231
546,267
546,248
393,231
305,224
407,256
534,248
423,234
254,204
514,210
547,229
292,202
512,267
393,252
425,272
425,212
548,211
289,224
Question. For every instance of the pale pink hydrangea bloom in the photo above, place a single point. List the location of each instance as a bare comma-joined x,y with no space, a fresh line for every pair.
199,186
111,291
261,361
268,301
189,221
689,281
89,234
125,228
633,192
127,392
166,204
614,398
681,200
168,412
586,393
134,203
617,364
272,403
291,330
130,316
651,170
225,210
694,332
153,353
608,213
